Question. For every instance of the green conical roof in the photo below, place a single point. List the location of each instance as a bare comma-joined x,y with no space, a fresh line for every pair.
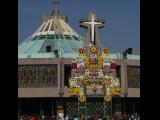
55,33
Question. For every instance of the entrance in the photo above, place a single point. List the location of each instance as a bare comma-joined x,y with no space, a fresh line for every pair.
30,106
93,106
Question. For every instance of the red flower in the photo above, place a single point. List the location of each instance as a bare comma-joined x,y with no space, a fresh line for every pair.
74,65
113,66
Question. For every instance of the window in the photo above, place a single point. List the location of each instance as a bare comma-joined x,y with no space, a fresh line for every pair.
56,53
133,76
57,36
68,37
35,38
118,73
76,38
50,37
42,37
67,74
48,48
61,36
37,76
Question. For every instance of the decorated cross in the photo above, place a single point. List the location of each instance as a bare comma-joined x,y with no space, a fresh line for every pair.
93,71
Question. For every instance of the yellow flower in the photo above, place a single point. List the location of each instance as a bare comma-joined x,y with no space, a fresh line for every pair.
74,91
114,91
93,49
107,98
82,98
102,81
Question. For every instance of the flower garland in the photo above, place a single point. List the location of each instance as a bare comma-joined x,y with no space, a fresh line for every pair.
107,98
105,50
82,98
93,49
74,91
81,50
95,75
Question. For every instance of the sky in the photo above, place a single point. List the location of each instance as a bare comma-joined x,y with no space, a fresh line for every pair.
122,20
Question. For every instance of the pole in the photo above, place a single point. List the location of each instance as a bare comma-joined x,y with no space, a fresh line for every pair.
104,108
52,107
111,108
40,107
86,108
19,108
78,107
125,87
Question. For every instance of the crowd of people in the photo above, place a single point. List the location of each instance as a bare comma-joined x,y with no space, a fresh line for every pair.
37,117
124,116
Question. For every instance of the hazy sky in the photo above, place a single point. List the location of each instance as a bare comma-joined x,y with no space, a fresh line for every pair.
121,31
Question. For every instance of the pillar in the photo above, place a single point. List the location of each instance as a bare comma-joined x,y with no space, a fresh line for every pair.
41,108
61,77
124,84
52,106
19,108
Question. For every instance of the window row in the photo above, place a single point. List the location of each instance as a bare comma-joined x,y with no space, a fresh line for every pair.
37,76
46,75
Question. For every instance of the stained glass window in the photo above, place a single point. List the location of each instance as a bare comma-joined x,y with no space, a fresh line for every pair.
133,76
37,76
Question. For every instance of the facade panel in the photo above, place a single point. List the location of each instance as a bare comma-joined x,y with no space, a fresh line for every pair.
35,76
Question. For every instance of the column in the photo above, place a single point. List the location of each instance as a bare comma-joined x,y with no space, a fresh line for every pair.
59,78
123,77
124,83
19,108
52,106
62,76
41,107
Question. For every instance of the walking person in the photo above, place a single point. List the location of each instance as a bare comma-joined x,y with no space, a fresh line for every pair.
66,118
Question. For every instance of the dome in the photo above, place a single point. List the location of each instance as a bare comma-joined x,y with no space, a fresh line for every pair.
54,38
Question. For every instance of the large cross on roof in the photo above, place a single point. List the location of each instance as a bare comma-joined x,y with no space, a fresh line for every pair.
92,24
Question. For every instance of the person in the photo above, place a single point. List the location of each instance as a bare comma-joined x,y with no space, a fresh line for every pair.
125,116
53,117
138,117
59,118
32,118
43,117
80,117
75,117
88,118
95,116
23,117
66,118
132,117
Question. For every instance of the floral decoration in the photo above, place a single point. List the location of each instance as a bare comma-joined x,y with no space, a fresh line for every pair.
81,50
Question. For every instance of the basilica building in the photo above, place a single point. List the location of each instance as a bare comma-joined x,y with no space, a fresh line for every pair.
45,67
